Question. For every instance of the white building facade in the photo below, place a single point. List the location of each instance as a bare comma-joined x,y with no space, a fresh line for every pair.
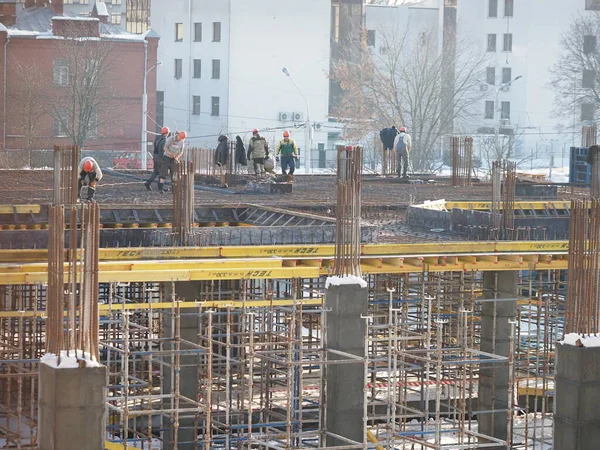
222,68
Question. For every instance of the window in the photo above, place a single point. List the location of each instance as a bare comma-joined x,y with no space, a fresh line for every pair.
593,5
196,105
507,42
178,68
587,112
490,76
115,18
160,110
216,69
589,44
178,32
216,31
61,72
505,110
587,81
371,38
489,109
60,124
197,68
506,75
491,45
492,8
114,2
214,111
197,32
509,6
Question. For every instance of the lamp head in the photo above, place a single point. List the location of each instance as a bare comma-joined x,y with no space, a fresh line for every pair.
285,71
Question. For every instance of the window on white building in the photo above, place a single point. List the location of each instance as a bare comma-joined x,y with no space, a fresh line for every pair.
371,38
506,75
178,68
492,8
587,112
60,124
198,32
61,72
505,110
589,44
197,68
489,109
214,110
196,105
509,7
507,42
593,5
216,69
491,42
588,79
115,18
216,31
178,32
490,76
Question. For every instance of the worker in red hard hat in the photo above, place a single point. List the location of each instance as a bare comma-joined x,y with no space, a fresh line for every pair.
157,156
173,150
258,150
289,154
89,175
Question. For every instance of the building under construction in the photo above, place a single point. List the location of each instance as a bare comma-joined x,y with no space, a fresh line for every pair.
369,319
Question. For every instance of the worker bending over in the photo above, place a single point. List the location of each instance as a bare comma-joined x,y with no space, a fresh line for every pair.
89,175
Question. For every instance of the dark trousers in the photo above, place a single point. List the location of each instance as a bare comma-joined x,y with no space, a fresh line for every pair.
87,179
259,165
156,171
288,161
167,167
402,162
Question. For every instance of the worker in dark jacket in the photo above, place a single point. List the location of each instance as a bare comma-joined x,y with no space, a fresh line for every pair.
222,151
387,136
157,156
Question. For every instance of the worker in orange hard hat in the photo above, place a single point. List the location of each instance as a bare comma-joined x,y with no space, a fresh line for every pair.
157,156
289,153
173,150
89,175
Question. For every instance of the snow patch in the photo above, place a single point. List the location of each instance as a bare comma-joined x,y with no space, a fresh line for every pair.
348,279
69,359
581,340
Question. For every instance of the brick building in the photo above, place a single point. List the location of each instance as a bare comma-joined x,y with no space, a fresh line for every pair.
38,71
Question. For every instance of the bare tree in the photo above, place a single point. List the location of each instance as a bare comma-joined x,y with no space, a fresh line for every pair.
405,82
575,77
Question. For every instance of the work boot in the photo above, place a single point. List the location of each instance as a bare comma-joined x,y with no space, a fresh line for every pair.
161,187
90,194
148,186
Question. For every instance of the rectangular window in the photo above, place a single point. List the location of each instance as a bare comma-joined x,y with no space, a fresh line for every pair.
196,105
197,68
198,32
505,110
589,44
61,72
490,76
507,42
489,109
506,75
492,8
587,81
587,112
216,69
160,110
214,110
216,31
593,5
371,38
509,6
60,124
115,18
178,32
491,42
178,68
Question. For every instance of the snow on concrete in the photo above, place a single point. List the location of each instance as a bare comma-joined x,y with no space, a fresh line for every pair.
69,359
581,340
348,279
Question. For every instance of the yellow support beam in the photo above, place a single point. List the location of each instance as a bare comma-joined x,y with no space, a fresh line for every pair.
20,209
373,440
486,206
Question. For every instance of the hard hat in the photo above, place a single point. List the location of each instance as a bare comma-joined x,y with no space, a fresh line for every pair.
255,131
286,133
182,135
403,129
165,130
88,166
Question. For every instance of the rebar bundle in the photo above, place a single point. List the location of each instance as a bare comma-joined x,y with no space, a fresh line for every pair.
583,299
183,202
504,185
462,160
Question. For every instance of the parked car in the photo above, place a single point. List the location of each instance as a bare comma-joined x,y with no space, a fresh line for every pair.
131,161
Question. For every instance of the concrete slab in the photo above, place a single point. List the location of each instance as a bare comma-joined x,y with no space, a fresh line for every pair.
262,187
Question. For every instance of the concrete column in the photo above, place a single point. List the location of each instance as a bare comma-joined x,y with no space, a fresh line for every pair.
72,407
345,382
495,338
188,375
576,411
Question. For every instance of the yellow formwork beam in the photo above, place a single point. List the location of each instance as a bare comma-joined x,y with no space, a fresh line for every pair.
486,206
20,209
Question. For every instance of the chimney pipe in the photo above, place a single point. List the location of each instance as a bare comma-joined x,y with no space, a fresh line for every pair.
57,7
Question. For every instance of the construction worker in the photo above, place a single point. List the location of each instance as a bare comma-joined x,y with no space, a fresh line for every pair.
387,136
157,156
173,150
289,153
89,175
258,150
403,146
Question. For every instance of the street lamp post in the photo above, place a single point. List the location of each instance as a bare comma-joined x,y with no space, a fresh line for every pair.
144,118
308,130
497,109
